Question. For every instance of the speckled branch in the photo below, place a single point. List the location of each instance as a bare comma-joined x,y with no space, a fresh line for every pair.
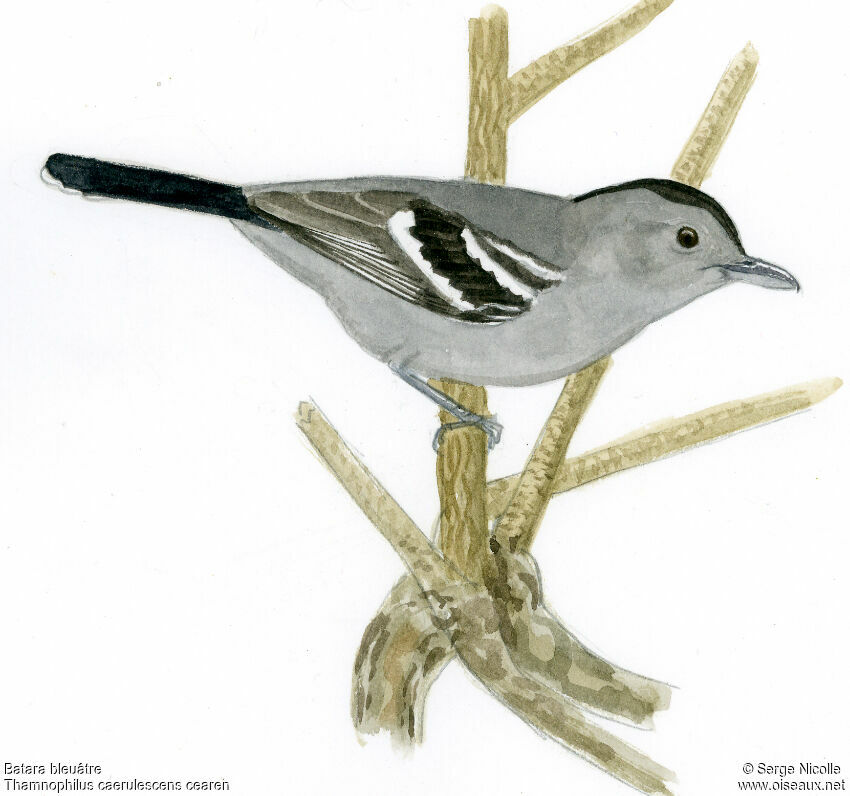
518,525
697,157
402,653
465,613
406,645
462,454
461,482
667,437
540,644
543,648
489,97
412,546
473,623
535,81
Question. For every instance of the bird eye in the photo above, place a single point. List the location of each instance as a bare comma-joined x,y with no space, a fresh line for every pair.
687,237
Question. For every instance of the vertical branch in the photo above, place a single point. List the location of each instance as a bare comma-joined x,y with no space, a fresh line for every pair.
462,483
489,96
462,457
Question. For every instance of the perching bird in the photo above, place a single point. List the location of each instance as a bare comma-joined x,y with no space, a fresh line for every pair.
481,283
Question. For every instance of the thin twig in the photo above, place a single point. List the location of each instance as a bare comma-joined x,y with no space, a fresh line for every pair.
528,504
697,157
666,437
414,548
536,80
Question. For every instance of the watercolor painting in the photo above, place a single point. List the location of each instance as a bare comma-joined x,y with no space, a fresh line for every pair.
460,285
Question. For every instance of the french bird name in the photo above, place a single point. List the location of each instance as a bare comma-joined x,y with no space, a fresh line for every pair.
54,769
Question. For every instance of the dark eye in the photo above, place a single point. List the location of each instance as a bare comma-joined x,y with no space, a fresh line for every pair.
687,237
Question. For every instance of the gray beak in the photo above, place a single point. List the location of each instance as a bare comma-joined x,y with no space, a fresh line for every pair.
761,273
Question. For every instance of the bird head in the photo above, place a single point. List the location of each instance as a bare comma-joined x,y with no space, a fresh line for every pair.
668,243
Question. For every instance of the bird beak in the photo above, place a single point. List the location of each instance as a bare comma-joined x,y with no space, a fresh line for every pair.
761,273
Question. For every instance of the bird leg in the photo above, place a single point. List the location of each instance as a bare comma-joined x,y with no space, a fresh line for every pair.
488,425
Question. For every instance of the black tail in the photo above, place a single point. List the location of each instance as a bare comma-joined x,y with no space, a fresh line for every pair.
91,176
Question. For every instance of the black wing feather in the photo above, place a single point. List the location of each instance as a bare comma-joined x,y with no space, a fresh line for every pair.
415,250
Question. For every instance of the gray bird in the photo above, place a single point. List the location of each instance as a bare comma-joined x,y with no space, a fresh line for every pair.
481,283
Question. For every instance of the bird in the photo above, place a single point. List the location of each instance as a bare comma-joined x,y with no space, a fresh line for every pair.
455,279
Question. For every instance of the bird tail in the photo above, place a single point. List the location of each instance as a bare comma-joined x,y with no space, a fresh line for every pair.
99,178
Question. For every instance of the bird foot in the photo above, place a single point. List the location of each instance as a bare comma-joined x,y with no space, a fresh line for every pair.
488,425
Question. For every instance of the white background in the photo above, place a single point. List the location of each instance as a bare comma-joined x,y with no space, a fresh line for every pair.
183,586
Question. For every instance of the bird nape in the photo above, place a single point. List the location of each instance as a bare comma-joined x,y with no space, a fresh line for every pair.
484,284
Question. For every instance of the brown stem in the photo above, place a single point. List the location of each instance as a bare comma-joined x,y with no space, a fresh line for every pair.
461,482
462,454
697,157
464,612
400,656
489,97
412,546
537,79
518,526
666,437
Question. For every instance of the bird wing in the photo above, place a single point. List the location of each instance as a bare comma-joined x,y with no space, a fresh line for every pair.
414,249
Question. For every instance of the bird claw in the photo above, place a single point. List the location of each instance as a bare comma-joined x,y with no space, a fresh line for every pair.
488,425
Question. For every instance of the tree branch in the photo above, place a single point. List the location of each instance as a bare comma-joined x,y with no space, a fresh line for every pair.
536,80
544,649
483,651
667,437
489,96
697,157
403,651
412,546
400,656
411,652
461,482
462,454
517,527
465,613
